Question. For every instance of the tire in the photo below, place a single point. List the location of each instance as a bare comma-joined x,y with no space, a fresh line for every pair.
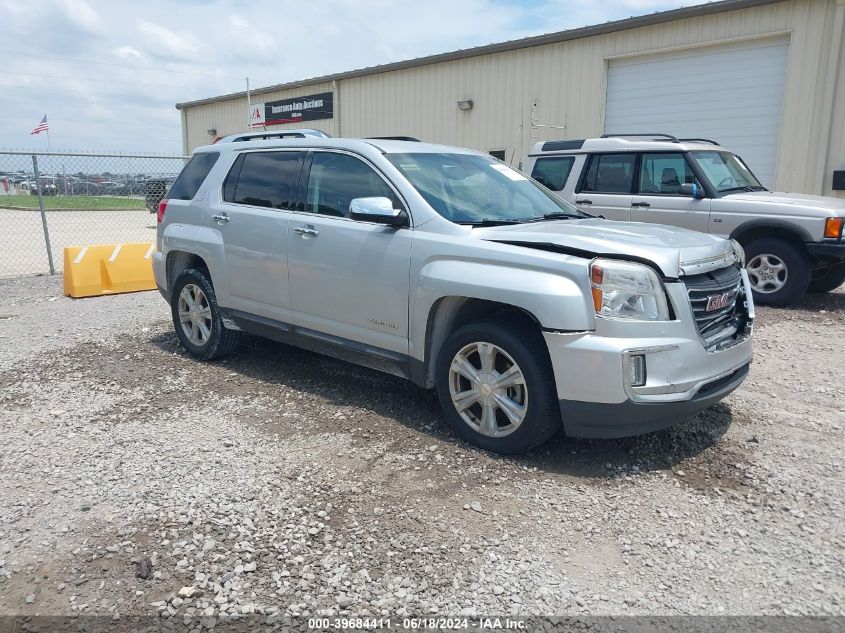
211,340
778,271
831,278
514,341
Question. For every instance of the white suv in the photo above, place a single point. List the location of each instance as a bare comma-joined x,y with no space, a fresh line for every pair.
793,242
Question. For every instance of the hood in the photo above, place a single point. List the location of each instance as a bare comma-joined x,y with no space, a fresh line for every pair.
673,250
823,203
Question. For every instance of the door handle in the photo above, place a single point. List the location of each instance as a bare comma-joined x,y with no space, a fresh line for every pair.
307,231
640,204
583,202
220,217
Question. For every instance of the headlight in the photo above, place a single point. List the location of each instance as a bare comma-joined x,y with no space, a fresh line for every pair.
624,290
739,252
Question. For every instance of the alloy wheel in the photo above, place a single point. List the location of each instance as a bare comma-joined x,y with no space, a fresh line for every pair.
767,273
488,389
195,314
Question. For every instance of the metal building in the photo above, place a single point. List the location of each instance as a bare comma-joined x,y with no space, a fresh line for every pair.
765,78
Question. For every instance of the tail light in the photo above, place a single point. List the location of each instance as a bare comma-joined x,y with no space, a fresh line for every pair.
162,207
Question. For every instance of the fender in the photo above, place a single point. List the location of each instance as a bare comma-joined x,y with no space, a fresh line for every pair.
552,299
769,223
203,242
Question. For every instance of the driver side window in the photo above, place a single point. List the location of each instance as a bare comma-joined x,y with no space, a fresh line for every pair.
337,179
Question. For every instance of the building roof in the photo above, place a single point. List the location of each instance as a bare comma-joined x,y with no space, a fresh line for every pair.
660,17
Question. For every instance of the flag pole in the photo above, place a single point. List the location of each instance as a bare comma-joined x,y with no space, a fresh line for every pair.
248,107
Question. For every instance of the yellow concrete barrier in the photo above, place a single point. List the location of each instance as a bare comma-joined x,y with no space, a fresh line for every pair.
105,269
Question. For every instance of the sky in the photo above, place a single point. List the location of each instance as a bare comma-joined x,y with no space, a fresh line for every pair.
108,73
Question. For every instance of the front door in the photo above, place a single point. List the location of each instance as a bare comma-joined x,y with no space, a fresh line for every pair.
658,197
606,186
348,279
253,220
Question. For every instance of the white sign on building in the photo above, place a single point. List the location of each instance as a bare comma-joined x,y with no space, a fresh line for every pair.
256,115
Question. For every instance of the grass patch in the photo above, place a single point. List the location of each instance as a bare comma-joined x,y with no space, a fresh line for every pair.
71,202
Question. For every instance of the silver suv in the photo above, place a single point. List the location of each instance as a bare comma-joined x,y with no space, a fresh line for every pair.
793,242
449,268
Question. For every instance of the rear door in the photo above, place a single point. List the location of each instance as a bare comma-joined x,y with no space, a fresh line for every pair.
658,197
606,186
349,279
253,220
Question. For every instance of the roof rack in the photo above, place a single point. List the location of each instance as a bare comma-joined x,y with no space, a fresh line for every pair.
699,140
655,134
393,138
263,136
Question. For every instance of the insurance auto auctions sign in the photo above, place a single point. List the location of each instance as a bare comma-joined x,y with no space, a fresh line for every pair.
307,108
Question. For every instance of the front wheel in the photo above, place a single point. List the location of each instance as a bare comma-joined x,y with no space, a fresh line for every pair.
778,271
496,385
197,319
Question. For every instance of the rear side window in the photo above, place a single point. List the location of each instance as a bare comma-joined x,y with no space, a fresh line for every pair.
610,173
553,172
264,179
336,179
192,176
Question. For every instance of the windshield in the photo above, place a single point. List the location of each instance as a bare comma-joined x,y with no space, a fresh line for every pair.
472,189
726,172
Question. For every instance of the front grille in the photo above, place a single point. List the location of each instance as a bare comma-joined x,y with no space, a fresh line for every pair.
718,305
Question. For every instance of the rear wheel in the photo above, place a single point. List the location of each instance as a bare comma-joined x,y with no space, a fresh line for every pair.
197,318
496,385
828,278
779,273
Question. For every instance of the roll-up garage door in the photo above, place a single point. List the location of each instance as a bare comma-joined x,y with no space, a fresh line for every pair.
732,93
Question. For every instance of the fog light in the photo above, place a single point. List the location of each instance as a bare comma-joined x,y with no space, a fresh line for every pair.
636,370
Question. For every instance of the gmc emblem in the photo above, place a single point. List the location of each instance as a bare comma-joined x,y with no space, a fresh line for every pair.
717,302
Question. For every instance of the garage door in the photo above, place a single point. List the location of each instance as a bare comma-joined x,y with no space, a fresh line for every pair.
731,93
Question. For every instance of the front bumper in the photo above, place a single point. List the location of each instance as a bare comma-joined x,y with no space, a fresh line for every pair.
591,373
834,250
604,421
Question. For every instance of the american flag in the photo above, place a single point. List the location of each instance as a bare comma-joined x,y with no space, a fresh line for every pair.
41,127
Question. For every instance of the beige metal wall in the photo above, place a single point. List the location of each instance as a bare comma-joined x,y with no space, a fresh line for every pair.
564,85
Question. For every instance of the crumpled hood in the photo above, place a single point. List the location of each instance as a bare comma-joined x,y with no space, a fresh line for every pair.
670,248
793,199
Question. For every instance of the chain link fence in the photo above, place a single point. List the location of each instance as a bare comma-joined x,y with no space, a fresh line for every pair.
52,200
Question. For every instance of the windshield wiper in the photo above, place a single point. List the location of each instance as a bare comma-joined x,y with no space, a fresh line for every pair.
743,188
495,221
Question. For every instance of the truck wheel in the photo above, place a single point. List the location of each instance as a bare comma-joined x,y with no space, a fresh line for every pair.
196,317
496,385
779,273
830,278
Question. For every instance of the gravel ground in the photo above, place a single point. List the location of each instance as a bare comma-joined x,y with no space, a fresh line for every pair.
136,480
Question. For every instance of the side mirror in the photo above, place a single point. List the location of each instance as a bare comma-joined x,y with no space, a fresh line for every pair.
377,209
693,190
